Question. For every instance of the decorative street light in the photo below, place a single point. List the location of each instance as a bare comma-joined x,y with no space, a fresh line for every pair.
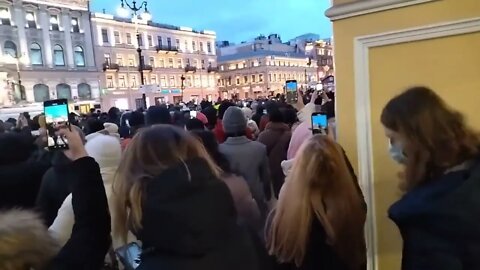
183,84
124,12
309,63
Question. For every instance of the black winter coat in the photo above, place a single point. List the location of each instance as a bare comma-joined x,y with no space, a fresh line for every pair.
189,223
440,222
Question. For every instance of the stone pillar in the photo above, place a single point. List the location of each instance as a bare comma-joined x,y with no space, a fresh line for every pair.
67,29
111,38
19,18
89,46
47,45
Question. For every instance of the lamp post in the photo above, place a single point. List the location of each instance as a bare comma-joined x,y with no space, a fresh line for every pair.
183,84
122,11
309,63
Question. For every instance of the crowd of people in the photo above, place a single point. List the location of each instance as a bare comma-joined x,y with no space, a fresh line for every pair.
233,185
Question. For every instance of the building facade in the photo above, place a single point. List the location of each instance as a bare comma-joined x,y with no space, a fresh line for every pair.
263,73
47,53
321,51
177,61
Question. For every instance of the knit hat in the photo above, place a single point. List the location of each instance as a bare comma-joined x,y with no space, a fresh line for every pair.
247,112
157,115
106,150
234,121
202,117
111,128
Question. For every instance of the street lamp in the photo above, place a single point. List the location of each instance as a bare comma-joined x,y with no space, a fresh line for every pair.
309,63
183,84
124,12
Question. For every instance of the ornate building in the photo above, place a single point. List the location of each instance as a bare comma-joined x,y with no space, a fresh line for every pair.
47,52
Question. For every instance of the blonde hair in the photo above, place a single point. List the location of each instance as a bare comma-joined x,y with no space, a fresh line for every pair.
320,186
24,241
152,151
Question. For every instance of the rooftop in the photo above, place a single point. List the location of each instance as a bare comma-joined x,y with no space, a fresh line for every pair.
153,24
259,53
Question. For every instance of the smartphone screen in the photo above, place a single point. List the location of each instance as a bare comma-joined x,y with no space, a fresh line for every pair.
291,88
319,123
193,114
56,115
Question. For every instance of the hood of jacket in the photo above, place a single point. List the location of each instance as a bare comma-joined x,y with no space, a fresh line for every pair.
447,205
198,207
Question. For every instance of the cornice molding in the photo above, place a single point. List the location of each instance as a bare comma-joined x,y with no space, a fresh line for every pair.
362,7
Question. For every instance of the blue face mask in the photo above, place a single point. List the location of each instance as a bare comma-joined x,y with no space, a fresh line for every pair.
397,154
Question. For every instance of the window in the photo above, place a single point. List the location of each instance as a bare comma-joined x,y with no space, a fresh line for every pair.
209,47
269,77
238,80
188,61
275,77
152,61
172,81
195,62
4,16
121,81
169,43
129,39
186,45
253,78
163,81
110,81
153,79
245,79
120,60
133,81
140,40
58,56
229,81
177,43
160,41
31,20
203,64
131,62
170,62
84,91
9,48
79,56
150,41
161,63
108,59
41,93
189,81
179,63
36,57
75,26
260,77
105,35
54,24
117,37
194,46
64,91
201,46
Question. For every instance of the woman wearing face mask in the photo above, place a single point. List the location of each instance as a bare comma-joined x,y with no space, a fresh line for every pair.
439,215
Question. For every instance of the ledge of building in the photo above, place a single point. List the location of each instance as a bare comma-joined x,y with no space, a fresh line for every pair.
362,7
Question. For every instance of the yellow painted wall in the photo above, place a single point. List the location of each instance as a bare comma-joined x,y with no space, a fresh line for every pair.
450,65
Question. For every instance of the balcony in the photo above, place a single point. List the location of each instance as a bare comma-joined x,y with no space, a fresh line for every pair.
147,68
212,69
110,67
167,49
190,69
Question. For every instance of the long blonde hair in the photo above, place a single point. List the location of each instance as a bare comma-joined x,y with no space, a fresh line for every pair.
320,186
152,151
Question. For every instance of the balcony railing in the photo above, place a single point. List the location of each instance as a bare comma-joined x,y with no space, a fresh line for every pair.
190,69
110,66
166,48
212,69
147,68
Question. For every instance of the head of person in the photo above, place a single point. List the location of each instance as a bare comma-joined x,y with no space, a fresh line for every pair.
194,124
151,152
106,150
211,114
137,119
114,113
234,122
24,241
16,147
157,115
426,135
290,116
320,186
207,138
94,125
223,108
275,116
247,112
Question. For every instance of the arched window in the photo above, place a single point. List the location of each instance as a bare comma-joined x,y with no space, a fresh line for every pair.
41,93
79,56
58,56
84,91
36,57
9,48
64,91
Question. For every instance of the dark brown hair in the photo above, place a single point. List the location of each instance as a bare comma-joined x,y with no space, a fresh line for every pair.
437,135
